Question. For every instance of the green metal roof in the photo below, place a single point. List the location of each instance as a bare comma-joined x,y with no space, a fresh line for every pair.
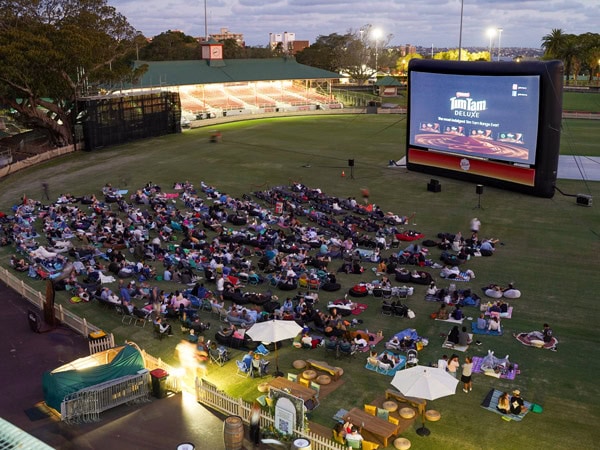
181,73
388,81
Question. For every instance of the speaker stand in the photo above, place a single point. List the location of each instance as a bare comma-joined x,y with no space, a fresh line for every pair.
478,202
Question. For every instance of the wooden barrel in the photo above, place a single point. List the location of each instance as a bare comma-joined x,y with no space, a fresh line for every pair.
233,433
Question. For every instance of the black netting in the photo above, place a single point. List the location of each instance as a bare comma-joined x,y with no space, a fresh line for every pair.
115,120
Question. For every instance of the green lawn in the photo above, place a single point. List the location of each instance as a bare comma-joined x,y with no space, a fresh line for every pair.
581,101
549,249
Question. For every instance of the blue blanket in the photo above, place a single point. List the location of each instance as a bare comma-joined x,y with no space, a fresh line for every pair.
491,400
476,330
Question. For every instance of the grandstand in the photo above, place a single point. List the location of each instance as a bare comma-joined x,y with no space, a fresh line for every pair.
253,97
242,86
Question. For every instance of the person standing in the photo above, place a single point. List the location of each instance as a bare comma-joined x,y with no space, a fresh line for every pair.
45,190
255,424
467,371
453,365
220,287
475,225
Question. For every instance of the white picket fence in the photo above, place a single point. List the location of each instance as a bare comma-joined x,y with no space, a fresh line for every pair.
208,394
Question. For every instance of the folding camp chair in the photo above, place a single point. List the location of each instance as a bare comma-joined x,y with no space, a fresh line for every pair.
242,369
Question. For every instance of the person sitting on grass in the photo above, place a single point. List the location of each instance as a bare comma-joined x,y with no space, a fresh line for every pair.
494,324
360,341
517,405
503,403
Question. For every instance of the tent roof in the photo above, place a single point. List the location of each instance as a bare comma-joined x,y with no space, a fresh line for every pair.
194,72
57,385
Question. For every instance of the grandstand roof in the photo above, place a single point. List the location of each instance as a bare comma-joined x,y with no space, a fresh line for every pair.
181,73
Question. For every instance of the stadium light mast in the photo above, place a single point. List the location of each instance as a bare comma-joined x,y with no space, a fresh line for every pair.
500,30
491,32
462,5
377,33
205,23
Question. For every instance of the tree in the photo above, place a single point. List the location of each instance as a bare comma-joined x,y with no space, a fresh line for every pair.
352,53
55,51
326,53
554,43
402,63
171,46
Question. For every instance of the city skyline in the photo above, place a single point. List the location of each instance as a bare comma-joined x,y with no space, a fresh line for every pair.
423,23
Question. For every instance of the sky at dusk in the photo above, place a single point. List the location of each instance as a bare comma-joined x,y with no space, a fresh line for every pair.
419,22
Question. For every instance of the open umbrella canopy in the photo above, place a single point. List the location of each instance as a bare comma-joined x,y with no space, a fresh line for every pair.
274,331
424,382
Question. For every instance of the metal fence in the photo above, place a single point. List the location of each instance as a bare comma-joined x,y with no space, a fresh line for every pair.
86,405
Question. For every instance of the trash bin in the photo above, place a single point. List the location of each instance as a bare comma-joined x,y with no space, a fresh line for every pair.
159,383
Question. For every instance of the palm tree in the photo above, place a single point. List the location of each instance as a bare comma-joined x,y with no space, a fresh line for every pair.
554,43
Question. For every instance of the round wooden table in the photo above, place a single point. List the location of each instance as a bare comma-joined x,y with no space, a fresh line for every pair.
390,406
309,374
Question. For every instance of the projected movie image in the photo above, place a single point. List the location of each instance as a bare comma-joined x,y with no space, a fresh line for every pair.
491,117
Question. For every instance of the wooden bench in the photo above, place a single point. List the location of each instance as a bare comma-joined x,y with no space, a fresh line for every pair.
335,372
418,403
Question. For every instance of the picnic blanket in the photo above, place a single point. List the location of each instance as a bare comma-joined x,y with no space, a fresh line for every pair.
372,338
451,320
507,374
525,339
506,315
453,346
491,400
358,307
485,331
392,371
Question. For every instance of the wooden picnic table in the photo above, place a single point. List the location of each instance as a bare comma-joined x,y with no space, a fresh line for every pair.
378,427
296,389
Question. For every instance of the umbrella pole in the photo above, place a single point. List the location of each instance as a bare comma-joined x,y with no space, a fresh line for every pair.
423,430
277,372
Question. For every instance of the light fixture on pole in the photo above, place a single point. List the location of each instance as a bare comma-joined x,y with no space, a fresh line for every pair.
491,32
376,35
462,4
499,42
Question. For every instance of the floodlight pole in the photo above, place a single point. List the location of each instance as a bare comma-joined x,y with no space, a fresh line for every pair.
462,4
499,39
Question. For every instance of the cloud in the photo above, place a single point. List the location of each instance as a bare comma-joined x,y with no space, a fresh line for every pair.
423,22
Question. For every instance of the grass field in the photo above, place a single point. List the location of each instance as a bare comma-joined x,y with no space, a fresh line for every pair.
549,249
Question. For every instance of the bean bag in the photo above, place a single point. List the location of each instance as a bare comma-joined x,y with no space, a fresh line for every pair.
403,276
358,291
237,220
410,235
331,287
512,293
285,286
423,278
493,293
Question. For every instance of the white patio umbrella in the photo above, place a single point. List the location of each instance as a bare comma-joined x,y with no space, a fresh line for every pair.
424,382
274,331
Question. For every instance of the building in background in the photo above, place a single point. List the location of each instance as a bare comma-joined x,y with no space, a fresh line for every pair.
224,34
287,42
